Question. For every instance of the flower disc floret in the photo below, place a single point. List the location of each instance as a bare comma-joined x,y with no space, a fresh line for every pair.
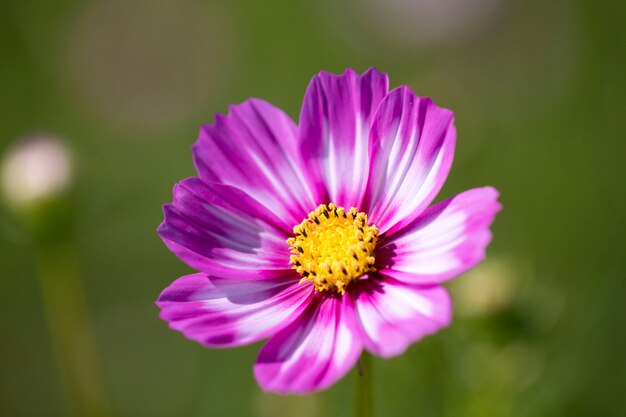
333,247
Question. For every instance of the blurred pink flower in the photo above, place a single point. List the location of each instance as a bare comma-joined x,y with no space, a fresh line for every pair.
36,168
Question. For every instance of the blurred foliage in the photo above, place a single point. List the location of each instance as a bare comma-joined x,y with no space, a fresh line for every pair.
538,90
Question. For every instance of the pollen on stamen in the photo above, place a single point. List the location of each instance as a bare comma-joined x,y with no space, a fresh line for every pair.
333,247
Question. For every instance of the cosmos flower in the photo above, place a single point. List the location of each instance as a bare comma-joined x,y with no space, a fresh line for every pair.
318,236
37,168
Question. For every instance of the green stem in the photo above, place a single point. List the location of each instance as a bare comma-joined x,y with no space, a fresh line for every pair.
363,400
72,335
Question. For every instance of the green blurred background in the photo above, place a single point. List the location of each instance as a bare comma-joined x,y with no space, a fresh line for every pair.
538,89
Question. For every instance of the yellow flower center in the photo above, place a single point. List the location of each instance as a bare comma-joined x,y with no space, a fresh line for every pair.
332,247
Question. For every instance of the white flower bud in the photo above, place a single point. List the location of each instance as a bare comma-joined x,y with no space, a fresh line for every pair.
35,169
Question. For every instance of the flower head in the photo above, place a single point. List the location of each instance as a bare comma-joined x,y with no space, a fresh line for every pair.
37,168
318,236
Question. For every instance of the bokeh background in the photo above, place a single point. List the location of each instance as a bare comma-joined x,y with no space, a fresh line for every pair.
538,89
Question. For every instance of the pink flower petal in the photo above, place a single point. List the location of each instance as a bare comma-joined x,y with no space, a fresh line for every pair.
254,148
444,241
393,315
334,126
220,230
224,312
314,351
411,150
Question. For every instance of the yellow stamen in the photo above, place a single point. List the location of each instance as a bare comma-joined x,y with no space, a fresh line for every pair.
333,247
